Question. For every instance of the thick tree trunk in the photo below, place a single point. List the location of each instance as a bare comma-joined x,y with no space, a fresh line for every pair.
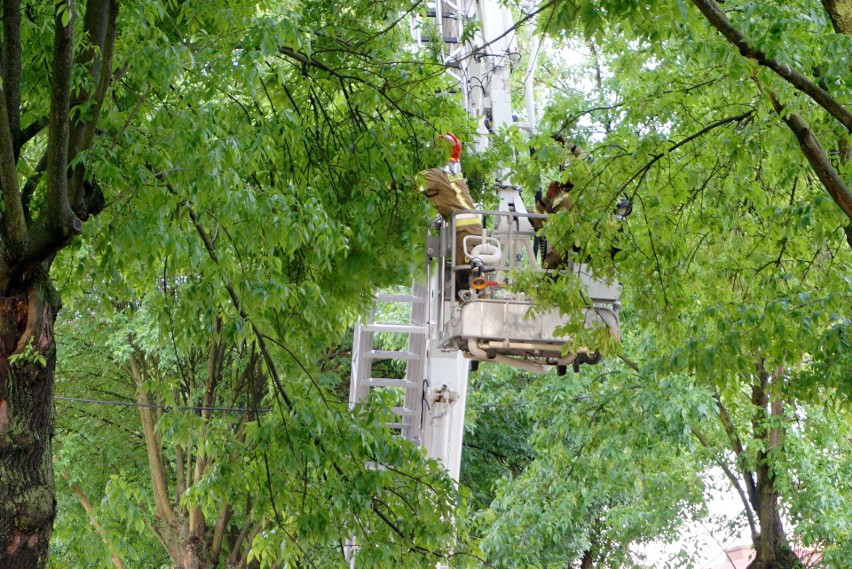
194,553
185,549
27,366
840,12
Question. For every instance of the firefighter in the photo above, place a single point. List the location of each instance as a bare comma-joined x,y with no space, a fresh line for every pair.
554,200
447,189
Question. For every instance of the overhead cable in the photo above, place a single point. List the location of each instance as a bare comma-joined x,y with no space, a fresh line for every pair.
158,406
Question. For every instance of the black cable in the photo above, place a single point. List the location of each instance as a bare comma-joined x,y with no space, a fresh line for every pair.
156,406
239,409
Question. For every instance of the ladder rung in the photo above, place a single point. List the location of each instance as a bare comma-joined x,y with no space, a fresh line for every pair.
449,14
403,411
391,355
385,382
399,298
399,427
394,327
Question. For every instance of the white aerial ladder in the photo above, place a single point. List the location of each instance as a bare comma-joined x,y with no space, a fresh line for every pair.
445,330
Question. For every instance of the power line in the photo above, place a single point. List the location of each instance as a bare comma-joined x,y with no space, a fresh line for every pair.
228,409
164,407
507,404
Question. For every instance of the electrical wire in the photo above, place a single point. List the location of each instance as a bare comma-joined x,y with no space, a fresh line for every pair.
507,404
157,406
229,409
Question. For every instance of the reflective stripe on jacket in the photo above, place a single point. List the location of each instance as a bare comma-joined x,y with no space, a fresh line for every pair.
447,192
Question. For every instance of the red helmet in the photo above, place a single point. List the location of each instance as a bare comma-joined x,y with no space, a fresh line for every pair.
455,145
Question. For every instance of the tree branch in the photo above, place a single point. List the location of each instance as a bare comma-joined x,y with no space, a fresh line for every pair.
180,469
10,63
304,59
29,132
733,480
816,156
100,28
216,354
737,447
235,299
219,534
87,505
244,531
32,183
718,20
14,226
14,229
152,444
58,224
656,157
630,363
417,4
58,209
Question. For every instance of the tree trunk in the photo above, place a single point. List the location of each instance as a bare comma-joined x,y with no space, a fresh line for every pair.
840,12
185,549
27,366
773,549
193,552
588,560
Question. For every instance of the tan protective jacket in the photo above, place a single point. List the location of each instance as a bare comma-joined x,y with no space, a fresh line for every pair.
449,193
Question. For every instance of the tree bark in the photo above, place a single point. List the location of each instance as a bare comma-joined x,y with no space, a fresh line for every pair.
28,301
773,549
816,156
182,532
184,549
27,364
840,12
